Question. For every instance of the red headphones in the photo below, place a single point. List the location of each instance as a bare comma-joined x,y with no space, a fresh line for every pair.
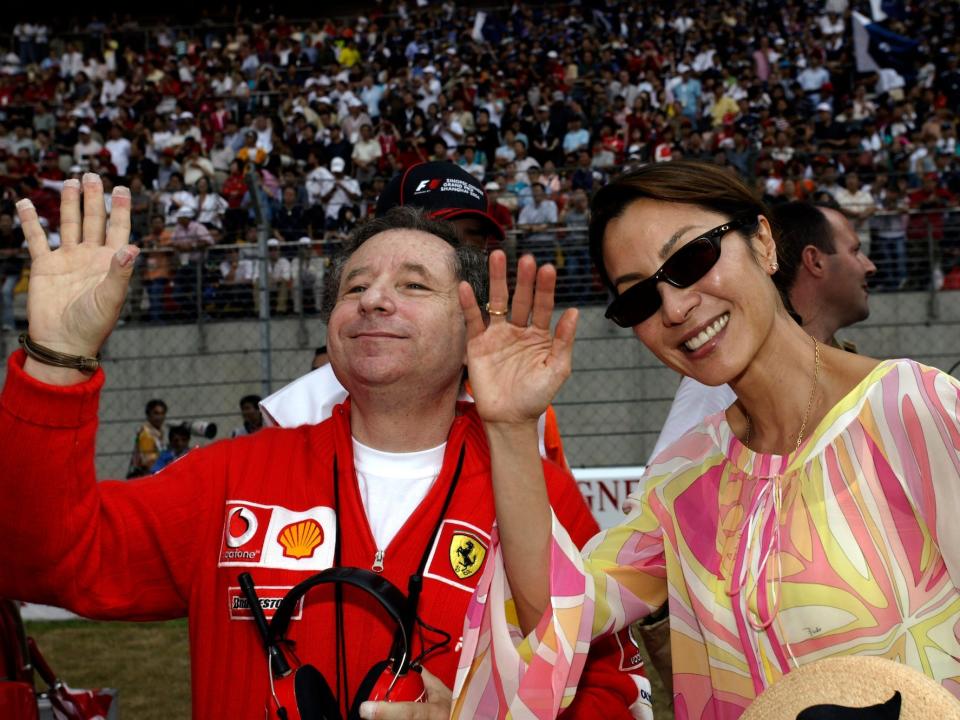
301,692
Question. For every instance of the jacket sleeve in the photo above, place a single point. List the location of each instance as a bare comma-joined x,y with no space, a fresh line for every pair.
613,683
109,549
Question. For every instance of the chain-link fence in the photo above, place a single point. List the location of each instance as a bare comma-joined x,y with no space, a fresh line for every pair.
205,325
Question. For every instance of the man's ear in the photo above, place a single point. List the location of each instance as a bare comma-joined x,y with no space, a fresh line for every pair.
813,261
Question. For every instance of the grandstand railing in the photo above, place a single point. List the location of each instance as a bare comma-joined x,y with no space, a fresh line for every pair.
223,282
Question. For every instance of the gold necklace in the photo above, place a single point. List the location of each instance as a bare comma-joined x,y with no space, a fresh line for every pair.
806,413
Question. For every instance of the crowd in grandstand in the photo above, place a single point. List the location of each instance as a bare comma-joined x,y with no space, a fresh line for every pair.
541,103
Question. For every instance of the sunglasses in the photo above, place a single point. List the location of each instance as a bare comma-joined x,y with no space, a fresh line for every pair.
681,270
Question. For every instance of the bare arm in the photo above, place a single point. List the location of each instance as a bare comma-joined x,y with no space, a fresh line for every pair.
515,370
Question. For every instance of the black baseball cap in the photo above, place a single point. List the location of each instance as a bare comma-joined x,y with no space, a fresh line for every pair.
445,190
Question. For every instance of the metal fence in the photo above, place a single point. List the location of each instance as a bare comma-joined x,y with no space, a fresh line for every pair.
204,326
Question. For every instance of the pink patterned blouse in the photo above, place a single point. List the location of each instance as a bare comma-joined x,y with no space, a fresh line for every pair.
849,546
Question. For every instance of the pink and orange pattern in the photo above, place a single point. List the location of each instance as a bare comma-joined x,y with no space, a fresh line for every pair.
849,546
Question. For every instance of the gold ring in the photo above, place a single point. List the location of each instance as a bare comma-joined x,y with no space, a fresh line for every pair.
496,313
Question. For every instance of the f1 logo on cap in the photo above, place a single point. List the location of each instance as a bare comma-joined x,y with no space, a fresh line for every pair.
428,185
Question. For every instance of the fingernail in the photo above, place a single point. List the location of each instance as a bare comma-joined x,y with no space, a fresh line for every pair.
90,178
124,257
368,710
71,183
121,191
24,204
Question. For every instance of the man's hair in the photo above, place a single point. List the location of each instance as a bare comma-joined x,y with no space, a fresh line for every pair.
796,225
250,400
469,263
322,350
151,404
182,430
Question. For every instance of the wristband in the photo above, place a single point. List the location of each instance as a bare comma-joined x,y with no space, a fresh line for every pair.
58,359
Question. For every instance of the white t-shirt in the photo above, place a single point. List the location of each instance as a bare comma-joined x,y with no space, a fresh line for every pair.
393,484
693,403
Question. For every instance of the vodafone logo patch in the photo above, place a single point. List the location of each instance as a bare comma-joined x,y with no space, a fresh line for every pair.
272,536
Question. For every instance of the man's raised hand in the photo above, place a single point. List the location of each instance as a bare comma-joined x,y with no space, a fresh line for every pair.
76,292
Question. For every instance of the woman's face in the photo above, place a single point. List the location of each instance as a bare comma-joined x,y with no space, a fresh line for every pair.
712,329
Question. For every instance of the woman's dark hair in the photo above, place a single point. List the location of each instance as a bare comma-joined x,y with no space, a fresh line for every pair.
690,182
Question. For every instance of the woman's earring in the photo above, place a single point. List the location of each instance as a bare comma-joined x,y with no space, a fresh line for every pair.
774,267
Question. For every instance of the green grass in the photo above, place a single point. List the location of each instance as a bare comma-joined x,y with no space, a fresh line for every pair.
149,663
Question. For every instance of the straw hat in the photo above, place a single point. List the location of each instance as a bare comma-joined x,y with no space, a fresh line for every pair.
855,682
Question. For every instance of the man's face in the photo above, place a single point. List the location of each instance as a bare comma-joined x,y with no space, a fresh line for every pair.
157,415
845,282
397,321
179,443
250,413
473,231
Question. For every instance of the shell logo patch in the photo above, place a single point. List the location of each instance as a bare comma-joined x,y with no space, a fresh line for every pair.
272,536
466,554
300,539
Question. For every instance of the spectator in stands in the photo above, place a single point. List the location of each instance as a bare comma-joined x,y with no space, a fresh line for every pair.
538,219
577,137
235,284
925,230
858,205
366,154
119,147
11,266
338,193
211,208
233,191
576,253
86,146
148,441
289,219
178,438
279,279
497,210
158,265
251,416
889,244
174,198
190,238
308,270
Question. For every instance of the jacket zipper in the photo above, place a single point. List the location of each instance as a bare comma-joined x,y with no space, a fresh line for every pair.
378,561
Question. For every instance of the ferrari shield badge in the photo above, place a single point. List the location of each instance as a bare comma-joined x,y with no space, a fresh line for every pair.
466,554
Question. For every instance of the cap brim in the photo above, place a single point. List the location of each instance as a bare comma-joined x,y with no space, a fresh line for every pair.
454,213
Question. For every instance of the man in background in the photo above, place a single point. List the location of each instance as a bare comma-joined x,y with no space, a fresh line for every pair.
252,418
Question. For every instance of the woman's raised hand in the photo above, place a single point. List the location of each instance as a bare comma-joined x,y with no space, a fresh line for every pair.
76,291
516,365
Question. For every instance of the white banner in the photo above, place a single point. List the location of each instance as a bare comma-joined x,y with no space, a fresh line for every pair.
606,489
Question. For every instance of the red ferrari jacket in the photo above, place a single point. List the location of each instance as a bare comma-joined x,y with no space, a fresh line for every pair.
174,543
